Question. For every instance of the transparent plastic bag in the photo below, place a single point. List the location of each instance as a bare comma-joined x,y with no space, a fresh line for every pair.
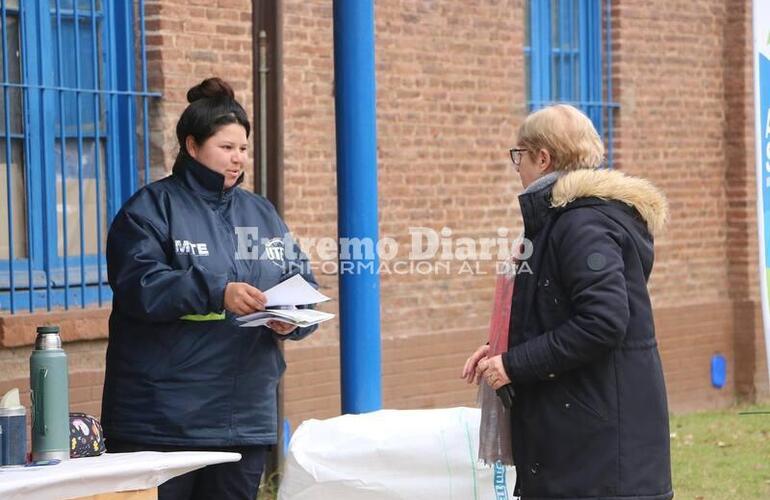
495,426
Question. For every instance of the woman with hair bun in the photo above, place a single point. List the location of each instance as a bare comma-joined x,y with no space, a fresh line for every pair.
181,374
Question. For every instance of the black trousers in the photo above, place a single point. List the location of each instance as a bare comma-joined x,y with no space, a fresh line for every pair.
228,481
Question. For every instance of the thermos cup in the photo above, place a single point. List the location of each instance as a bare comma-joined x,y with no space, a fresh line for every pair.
49,382
13,438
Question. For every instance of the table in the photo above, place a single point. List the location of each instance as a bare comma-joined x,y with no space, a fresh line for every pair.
137,475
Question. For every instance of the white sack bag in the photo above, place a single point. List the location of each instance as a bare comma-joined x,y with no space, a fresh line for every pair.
392,454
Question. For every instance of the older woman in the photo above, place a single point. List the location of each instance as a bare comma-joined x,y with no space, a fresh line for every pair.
589,418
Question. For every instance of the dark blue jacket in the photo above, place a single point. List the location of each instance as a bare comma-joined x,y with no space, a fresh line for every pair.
590,419
180,371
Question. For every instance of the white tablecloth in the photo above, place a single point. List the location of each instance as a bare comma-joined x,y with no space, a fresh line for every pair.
107,473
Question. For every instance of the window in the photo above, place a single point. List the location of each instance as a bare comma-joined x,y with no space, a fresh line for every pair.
565,62
69,144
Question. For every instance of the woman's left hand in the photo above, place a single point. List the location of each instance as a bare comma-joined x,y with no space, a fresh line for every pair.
280,327
493,371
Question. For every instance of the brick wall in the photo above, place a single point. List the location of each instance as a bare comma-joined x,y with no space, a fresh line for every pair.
187,41
450,92
450,89
440,169
683,77
670,83
82,331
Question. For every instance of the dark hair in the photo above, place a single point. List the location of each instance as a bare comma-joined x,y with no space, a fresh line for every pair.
212,105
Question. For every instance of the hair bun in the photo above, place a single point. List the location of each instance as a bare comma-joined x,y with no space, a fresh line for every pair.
213,87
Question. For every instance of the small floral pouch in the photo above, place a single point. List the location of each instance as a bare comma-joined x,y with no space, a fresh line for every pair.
86,437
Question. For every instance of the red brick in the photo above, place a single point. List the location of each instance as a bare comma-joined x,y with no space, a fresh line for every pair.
449,103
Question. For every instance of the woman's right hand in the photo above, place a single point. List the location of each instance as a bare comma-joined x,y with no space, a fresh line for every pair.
470,371
242,298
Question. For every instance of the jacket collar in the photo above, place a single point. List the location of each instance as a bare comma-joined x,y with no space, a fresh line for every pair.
589,187
202,180
613,185
535,202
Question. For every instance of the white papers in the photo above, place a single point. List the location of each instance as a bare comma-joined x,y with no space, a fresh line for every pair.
295,291
297,317
282,300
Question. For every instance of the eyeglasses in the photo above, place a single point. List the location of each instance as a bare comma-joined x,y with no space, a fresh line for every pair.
516,155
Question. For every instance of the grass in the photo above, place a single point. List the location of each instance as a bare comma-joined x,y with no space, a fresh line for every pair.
721,455
268,489
716,455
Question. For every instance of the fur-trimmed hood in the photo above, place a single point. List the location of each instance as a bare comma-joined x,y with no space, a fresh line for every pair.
639,193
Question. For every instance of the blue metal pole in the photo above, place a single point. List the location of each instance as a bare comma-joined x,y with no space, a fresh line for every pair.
145,108
62,156
97,147
79,128
356,126
8,155
610,107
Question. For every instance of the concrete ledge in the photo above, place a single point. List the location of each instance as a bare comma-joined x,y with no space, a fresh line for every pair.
76,324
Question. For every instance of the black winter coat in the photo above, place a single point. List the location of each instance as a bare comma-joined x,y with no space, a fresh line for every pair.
180,370
590,418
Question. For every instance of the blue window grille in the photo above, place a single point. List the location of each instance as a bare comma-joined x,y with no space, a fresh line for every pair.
564,59
73,135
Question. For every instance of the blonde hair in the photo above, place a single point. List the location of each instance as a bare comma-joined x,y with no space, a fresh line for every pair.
566,133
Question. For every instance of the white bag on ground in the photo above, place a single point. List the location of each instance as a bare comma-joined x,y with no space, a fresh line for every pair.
392,454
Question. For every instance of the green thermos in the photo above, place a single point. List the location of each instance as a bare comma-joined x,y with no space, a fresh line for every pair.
49,382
